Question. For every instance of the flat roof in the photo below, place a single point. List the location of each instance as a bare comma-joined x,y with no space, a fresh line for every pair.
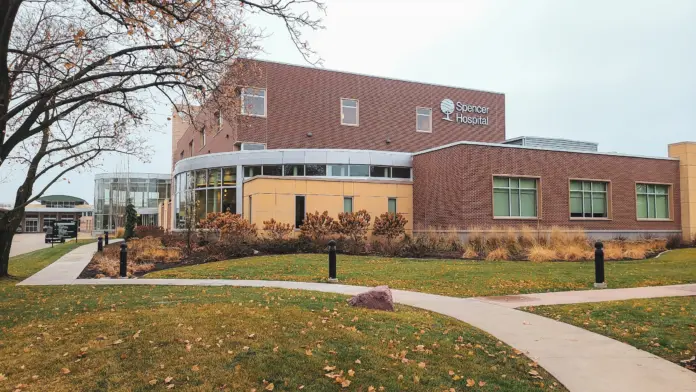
372,76
538,148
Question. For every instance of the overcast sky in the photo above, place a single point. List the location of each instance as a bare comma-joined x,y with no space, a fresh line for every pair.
621,73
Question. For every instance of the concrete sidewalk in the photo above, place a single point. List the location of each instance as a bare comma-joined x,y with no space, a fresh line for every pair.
584,296
582,360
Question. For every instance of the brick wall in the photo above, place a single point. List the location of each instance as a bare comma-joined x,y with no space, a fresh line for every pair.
453,186
302,100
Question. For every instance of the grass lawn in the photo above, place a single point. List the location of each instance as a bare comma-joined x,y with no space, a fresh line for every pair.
461,278
665,327
95,338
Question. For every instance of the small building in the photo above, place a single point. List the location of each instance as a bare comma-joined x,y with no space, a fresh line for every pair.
307,139
39,216
113,192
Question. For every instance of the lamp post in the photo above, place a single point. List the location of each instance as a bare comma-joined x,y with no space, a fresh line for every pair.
599,266
332,262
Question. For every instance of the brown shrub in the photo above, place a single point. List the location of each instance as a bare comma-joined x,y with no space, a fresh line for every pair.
277,230
613,251
316,227
389,225
541,253
470,253
120,232
498,254
574,252
149,231
229,226
353,225
527,236
476,239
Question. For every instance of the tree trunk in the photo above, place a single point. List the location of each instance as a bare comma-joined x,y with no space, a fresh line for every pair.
8,228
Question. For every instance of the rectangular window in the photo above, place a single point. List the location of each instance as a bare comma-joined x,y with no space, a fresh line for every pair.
218,120
213,177
349,111
254,101
200,178
514,197
252,146
391,205
315,170
338,170
652,201
181,156
293,170
347,204
589,199
229,200
299,211
191,148
229,176
251,171
202,140
380,171
273,170
359,170
401,172
424,119
250,209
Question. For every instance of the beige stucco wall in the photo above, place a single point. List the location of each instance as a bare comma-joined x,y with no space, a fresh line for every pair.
686,152
275,198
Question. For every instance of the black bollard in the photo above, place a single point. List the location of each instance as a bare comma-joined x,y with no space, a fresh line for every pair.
100,244
332,262
124,260
599,266
106,238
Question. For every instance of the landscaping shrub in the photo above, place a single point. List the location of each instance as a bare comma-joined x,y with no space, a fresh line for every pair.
149,231
574,252
528,237
613,250
470,253
229,226
131,217
353,225
120,232
674,241
277,230
541,253
143,254
476,240
316,227
389,225
498,254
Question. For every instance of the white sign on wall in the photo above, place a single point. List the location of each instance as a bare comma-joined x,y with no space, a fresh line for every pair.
463,113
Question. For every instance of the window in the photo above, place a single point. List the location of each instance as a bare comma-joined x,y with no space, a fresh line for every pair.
252,146
200,178
315,170
299,211
337,170
359,170
202,141
349,111
218,120
347,204
424,119
181,156
250,209
652,201
251,171
293,170
391,205
229,176
254,101
273,170
191,148
401,172
588,199
380,171
514,197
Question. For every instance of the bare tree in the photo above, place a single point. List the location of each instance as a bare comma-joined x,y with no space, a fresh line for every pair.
79,77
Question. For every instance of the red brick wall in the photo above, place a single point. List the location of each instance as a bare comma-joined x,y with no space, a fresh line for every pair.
453,186
302,100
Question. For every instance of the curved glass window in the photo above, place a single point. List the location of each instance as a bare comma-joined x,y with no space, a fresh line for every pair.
205,191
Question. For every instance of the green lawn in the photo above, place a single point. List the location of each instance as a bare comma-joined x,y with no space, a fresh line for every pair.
663,326
146,338
450,277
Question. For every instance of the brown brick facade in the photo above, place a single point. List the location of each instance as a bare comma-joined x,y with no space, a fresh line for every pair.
301,100
453,186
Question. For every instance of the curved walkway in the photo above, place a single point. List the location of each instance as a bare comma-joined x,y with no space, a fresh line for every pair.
582,360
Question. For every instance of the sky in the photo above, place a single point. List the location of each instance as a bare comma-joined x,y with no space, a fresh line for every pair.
620,73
